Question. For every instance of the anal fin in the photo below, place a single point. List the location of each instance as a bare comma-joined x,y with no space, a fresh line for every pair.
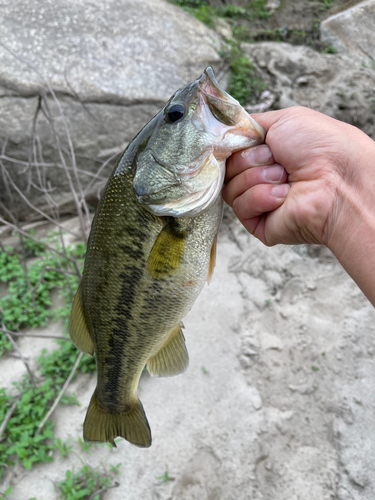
102,425
78,330
173,357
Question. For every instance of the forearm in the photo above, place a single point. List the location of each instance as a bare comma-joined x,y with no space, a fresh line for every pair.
351,227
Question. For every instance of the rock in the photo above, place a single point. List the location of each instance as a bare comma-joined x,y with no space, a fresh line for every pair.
352,31
356,452
334,84
112,66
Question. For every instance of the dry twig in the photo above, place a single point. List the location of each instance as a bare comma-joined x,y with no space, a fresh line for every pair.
57,400
8,417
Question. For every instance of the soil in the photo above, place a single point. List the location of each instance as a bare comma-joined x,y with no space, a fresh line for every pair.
294,21
277,402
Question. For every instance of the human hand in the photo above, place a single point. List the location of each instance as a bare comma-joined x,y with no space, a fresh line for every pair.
316,166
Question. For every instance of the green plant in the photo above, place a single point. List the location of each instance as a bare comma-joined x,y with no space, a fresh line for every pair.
165,477
328,49
326,4
201,9
30,285
27,304
7,492
87,483
197,8
86,447
244,85
256,9
63,447
20,438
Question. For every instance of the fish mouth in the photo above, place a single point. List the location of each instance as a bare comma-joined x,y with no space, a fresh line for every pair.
228,112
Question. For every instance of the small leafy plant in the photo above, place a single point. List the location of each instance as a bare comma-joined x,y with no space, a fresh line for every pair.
244,85
87,483
27,304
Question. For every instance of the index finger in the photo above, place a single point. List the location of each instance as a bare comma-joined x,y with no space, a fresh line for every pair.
252,157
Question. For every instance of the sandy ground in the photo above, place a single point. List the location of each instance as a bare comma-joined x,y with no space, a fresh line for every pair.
277,403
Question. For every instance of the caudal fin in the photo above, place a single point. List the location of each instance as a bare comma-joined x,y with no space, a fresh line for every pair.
102,425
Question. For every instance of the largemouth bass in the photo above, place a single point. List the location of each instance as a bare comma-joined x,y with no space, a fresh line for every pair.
152,248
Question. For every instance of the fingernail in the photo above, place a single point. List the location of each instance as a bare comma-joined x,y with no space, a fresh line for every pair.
280,191
260,155
273,173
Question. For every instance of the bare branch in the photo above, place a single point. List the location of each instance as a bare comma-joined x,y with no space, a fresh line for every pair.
8,416
102,490
19,334
43,214
48,247
15,347
57,400
98,172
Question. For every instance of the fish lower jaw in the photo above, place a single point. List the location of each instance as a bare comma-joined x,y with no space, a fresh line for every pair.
193,204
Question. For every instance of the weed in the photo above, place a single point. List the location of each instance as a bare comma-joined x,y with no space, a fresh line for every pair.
197,8
7,492
314,368
28,298
63,447
86,447
326,4
328,49
205,371
165,477
256,9
243,84
86,484
20,439
27,304
207,14
233,12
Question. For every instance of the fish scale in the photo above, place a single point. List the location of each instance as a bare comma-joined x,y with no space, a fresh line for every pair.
151,250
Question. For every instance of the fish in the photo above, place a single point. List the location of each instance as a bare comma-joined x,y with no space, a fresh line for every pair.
151,249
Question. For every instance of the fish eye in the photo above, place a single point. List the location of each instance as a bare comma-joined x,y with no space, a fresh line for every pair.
175,113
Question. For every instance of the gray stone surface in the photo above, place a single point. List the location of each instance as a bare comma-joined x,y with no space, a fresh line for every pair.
352,31
334,84
112,64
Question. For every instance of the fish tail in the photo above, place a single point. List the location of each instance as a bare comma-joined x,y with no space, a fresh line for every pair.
102,425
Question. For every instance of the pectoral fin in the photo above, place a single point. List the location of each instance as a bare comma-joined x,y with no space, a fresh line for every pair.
78,330
172,358
212,261
166,254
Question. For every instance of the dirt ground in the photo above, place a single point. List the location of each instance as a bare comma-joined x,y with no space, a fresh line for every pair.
278,399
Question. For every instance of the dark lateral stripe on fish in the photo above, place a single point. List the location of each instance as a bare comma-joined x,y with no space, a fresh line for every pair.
120,333
130,278
130,251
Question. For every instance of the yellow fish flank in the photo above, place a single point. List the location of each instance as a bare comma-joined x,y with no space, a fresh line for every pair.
152,248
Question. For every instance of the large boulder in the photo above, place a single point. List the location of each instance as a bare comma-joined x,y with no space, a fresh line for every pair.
335,84
98,69
352,31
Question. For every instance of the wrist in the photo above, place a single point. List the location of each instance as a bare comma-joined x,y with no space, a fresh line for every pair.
350,228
